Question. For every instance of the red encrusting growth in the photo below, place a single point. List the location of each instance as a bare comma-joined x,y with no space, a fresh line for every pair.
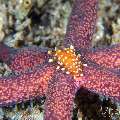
81,24
25,86
60,96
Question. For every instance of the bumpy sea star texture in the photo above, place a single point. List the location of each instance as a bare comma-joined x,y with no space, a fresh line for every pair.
102,81
81,24
25,86
107,57
95,78
22,59
60,96
98,76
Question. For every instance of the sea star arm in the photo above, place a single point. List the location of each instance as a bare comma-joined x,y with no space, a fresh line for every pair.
81,24
101,81
28,57
24,58
28,85
60,96
62,89
108,57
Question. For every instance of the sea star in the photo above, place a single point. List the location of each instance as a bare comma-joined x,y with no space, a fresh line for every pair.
22,59
101,76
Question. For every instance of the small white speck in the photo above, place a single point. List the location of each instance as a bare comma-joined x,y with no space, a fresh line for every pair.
78,55
71,47
67,72
62,69
81,75
60,63
50,60
58,67
85,65
49,52
68,52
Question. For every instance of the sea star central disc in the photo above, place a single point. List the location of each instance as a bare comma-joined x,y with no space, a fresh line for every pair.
68,60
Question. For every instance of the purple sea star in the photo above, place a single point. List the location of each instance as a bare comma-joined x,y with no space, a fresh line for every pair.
100,74
22,59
